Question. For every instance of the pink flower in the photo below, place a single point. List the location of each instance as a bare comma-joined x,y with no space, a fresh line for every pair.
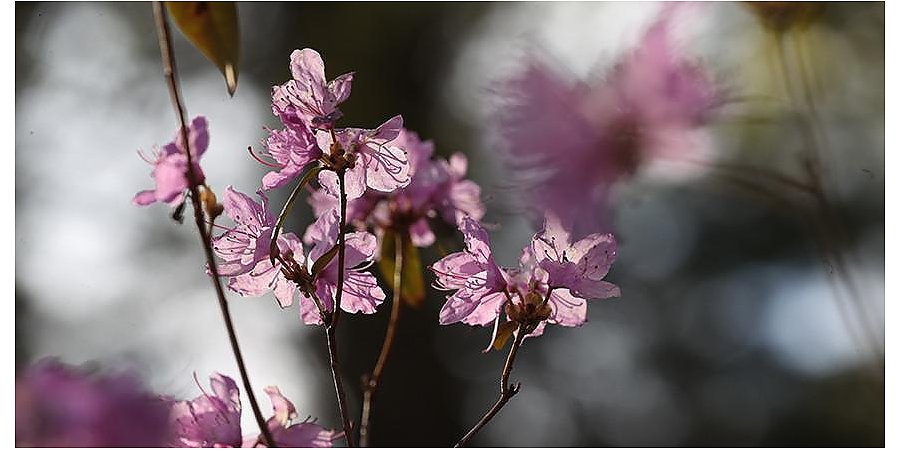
287,432
477,279
308,98
265,277
458,196
379,166
574,272
552,283
214,420
245,250
570,142
244,246
292,148
437,188
64,406
361,293
579,267
170,166
211,419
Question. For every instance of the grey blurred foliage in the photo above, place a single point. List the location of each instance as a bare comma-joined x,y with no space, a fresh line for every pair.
725,335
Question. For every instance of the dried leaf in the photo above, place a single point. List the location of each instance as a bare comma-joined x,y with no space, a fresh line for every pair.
504,332
412,280
213,28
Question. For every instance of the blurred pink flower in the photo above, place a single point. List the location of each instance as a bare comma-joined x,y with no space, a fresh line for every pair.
58,405
308,98
170,166
570,141
211,419
214,420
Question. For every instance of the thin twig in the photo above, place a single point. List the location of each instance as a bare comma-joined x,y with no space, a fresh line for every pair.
338,384
330,326
168,61
371,385
831,226
507,391
273,245
342,246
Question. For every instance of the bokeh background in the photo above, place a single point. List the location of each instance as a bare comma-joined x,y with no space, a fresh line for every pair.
727,332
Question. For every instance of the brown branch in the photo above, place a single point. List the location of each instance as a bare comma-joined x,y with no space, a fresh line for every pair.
342,246
507,391
831,226
330,326
338,384
168,61
371,385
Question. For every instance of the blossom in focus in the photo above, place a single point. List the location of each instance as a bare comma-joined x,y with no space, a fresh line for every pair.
477,279
551,284
308,98
292,149
570,141
245,251
378,163
266,277
361,293
244,246
213,419
580,266
170,166
437,189
58,405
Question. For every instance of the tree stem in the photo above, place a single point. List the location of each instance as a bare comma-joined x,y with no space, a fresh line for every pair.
371,385
338,384
168,61
507,391
330,327
342,246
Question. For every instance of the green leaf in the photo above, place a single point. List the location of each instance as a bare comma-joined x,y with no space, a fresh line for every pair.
324,260
412,279
213,28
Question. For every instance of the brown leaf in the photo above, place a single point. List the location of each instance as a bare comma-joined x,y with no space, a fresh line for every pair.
213,28
504,332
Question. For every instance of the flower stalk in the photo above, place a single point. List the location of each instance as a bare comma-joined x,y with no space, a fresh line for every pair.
371,382
826,223
330,326
168,61
507,391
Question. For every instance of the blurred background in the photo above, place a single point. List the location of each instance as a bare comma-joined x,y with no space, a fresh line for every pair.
728,332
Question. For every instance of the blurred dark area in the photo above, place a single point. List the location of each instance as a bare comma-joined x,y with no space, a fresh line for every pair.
726,333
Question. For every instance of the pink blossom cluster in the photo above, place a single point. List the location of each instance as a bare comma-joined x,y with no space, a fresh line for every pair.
437,189
552,283
569,142
370,160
